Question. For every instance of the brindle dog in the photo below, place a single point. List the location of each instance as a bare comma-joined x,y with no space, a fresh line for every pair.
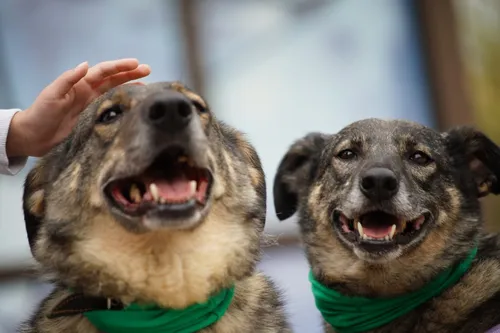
150,199
384,206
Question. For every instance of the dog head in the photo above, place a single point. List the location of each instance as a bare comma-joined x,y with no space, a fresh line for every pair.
150,198
385,190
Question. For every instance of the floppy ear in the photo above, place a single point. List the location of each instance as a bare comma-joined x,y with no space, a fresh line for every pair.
33,204
296,172
482,156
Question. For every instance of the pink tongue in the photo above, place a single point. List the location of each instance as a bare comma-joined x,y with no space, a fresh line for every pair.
377,231
178,189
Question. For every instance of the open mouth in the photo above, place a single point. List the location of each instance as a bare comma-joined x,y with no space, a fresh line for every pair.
172,185
380,228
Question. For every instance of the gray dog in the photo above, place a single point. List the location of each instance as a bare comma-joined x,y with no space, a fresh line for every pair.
389,212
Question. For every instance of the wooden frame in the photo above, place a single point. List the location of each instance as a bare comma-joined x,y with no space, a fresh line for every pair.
449,92
190,29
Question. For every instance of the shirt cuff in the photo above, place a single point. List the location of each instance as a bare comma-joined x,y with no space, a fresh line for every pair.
13,165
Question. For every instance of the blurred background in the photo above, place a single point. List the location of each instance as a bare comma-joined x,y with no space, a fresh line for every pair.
275,69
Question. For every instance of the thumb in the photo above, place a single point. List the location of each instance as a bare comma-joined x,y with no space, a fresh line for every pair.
66,81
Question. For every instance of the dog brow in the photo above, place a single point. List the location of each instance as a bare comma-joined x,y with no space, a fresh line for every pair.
189,94
195,98
356,141
408,142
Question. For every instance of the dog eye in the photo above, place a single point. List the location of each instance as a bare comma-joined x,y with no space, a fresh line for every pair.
420,158
110,114
200,107
346,154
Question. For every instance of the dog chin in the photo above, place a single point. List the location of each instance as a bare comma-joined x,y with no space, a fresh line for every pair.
378,258
156,223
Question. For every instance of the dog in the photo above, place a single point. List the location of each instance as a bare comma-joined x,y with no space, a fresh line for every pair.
384,207
150,200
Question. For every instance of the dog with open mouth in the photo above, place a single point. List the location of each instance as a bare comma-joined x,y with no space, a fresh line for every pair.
149,218
390,216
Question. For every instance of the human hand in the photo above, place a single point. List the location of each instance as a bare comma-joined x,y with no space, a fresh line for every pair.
51,118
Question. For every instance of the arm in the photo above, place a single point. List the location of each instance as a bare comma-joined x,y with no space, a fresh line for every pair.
8,166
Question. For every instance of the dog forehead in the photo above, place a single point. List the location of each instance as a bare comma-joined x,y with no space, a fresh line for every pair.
387,133
139,92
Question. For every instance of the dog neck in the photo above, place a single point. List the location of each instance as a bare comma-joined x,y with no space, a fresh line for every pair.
113,316
359,314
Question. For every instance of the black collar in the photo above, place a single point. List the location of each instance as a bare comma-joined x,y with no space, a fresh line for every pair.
78,303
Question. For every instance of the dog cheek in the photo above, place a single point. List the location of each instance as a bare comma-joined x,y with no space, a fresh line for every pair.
35,203
449,212
317,205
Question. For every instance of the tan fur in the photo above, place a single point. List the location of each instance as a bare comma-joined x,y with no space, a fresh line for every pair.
35,203
75,176
171,269
457,302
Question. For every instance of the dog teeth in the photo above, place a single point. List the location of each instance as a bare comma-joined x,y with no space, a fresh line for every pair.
135,193
403,224
192,187
154,192
360,230
393,231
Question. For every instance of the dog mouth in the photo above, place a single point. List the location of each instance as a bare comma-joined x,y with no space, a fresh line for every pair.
380,228
172,185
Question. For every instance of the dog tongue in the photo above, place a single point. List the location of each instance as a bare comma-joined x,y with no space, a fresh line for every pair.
177,189
377,231
377,224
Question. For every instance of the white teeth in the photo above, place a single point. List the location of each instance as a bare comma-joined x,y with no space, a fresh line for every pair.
154,192
192,187
135,194
393,230
360,230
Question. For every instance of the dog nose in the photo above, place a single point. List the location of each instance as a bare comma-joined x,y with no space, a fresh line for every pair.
379,184
170,113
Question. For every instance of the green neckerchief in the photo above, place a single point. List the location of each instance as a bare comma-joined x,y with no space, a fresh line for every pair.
359,314
152,319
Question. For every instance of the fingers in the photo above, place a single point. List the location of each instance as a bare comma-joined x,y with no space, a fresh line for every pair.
104,70
121,78
137,83
64,83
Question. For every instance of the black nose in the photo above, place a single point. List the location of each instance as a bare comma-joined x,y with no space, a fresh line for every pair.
379,184
170,113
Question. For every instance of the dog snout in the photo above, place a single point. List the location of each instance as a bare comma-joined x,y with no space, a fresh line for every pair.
169,112
379,184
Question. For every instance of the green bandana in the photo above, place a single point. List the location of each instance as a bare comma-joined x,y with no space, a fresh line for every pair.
152,319
359,314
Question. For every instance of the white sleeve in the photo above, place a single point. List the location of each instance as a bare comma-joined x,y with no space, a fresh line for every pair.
13,165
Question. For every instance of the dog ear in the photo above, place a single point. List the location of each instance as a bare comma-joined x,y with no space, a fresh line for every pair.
296,172
482,156
33,204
